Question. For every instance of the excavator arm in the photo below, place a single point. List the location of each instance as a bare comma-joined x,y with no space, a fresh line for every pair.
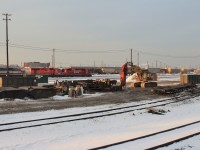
123,74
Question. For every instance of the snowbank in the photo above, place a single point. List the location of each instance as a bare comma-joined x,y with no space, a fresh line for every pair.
132,78
66,97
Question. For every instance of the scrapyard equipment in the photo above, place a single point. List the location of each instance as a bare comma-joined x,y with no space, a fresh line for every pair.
84,86
75,91
144,78
71,91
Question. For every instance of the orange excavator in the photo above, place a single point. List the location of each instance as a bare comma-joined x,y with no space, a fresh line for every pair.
144,78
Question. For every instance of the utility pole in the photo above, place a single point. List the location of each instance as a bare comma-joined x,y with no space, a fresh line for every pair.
138,58
131,57
156,64
7,40
94,68
53,59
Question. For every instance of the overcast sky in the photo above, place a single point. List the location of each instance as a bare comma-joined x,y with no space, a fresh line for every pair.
102,32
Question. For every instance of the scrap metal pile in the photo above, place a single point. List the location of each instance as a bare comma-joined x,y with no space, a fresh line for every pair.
173,89
88,86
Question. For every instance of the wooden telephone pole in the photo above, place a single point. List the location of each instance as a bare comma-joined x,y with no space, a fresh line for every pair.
6,19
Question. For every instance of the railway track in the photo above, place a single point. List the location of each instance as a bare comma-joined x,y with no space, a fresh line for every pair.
90,115
173,141
155,137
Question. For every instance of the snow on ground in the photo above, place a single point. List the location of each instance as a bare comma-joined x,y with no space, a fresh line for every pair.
96,132
56,97
191,143
66,97
169,77
104,76
53,113
161,77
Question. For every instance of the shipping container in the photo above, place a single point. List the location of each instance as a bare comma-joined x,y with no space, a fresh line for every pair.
190,79
17,81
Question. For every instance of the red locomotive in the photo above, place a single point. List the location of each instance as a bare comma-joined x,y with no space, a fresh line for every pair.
58,71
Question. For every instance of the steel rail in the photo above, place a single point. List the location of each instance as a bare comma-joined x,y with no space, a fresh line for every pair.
173,141
145,136
90,117
87,113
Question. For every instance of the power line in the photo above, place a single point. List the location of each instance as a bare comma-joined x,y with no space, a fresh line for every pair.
97,51
35,49
94,51
62,50
169,56
26,47
165,55
19,45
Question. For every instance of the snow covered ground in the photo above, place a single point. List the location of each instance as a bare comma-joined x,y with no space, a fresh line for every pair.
161,77
97,132
106,130
168,77
132,78
104,76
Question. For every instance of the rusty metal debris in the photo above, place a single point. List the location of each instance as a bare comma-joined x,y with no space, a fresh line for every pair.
172,89
103,85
